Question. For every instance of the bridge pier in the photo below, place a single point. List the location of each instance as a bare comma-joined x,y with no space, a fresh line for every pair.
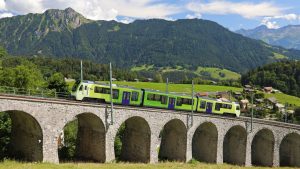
248,150
221,135
276,157
50,145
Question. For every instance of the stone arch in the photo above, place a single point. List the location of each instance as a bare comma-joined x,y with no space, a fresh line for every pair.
26,141
204,143
173,141
136,140
234,146
290,150
262,148
90,140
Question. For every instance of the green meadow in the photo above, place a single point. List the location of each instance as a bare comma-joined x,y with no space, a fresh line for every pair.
167,165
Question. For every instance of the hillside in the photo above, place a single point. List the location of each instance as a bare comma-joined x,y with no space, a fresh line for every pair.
187,43
284,76
288,36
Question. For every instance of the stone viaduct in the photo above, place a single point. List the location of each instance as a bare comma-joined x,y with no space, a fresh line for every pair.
150,135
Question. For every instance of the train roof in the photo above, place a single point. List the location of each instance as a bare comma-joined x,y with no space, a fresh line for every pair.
169,93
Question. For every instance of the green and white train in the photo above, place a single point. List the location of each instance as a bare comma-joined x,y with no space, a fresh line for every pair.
88,90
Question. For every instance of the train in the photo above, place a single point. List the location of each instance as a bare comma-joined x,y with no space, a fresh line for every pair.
129,96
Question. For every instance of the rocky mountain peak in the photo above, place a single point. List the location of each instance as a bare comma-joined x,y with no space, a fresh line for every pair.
68,17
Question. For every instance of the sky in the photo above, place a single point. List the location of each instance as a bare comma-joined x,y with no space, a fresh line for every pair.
232,14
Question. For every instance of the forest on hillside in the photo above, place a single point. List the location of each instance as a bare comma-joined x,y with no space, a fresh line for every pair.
186,42
284,76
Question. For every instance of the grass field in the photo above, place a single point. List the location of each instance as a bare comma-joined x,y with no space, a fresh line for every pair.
142,67
169,165
284,98
215,73
180,88
279,56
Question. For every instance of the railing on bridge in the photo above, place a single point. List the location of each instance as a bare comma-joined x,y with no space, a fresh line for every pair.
42,93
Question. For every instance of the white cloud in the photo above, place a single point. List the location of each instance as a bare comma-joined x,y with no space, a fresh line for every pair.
5,15
270,24
96,9
193,16
2,5
288,17
126,20
245,9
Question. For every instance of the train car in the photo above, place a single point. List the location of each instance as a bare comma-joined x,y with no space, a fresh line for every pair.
212,106
169,101
88,90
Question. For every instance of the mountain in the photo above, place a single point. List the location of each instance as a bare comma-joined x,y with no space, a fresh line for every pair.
186,43
288,36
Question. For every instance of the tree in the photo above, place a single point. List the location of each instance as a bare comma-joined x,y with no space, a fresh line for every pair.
57,82
158,78
2,52
27,77
5,131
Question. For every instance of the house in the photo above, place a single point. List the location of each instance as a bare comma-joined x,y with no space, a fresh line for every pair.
69,80
268,89
271,102
280,107
222,95
148,80
202,94
259,100
237,94
248,86
244,104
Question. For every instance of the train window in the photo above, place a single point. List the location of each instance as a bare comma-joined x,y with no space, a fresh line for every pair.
202,104
102,90
218,106
179,101
80,88
74,88
157,97
229,106
135,96
237,107
85,87
164,99
187,101
150,96
115,93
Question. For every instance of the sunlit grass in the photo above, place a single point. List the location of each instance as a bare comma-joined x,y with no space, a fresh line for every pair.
167,165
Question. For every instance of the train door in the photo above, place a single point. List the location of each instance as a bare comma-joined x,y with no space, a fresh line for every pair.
209,106
126,98
80,94
86,91
171,103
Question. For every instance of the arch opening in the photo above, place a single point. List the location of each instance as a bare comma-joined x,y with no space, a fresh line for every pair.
22,137
83,139
132,142
234,146
262,149
173,141
290,150
204,143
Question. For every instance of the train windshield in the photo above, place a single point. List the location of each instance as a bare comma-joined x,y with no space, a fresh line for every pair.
74,88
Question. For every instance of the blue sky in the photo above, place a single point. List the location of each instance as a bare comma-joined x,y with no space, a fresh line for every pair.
232,14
